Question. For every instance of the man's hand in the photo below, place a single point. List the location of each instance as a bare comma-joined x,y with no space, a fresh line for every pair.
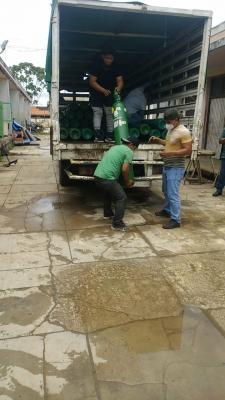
106,92
129,184
154,139
167,154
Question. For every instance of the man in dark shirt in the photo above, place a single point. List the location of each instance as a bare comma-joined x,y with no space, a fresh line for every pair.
220,182
105,77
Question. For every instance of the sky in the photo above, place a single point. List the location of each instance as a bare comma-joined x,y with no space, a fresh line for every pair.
25,24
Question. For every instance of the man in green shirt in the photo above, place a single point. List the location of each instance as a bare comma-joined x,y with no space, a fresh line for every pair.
220,182
116,161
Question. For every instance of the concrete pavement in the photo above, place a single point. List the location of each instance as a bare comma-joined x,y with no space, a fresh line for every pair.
87,313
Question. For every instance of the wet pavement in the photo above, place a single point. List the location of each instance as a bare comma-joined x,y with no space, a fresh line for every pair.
87,313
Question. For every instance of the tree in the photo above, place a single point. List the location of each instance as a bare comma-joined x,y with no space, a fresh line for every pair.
31,78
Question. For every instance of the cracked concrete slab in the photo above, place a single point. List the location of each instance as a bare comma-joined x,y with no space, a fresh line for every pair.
41,174
90,217
123,298
20,218
68,368
34,259
185,381
143,356
5,189
21,188
197,279
105,244
54,243
182,241
46,327
21,311
218,317
116,390
29,277
97,295
21,368
28,198
3,198
59,250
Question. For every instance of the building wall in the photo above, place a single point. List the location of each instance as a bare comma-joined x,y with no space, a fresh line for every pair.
16,103
215,110
5,99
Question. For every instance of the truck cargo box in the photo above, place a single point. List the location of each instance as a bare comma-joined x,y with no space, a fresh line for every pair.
164,47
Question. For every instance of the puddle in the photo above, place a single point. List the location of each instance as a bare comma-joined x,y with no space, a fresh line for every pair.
44,205
173,358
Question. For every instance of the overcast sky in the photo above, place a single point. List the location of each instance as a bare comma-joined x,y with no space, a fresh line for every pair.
25,24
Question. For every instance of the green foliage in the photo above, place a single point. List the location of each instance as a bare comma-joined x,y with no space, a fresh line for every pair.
31,78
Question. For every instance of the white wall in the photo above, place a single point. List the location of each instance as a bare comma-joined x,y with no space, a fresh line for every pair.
5,98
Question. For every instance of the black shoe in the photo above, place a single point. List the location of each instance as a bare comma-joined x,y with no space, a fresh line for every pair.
217,193
120,227
171,224
162,213
108,216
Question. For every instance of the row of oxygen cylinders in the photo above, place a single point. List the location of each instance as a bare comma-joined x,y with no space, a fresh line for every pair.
145,129
120,122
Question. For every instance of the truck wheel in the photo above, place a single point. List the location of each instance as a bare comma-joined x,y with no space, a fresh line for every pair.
63,178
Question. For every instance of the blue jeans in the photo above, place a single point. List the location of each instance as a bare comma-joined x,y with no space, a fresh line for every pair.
172,178
220,182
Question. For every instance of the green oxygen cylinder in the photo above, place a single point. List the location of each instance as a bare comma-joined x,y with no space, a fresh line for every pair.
120,122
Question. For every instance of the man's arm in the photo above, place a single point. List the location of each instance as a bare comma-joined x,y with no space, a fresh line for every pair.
222,141
154,139
125,173
185,151
95,85
119,83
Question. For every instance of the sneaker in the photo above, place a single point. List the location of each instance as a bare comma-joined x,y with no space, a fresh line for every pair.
162,213
109,140
120,227
217,193
97,140
171,224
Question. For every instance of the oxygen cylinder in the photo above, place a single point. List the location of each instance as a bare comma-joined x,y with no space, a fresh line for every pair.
120,123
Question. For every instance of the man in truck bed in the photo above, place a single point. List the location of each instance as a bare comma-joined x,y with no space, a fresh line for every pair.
105,77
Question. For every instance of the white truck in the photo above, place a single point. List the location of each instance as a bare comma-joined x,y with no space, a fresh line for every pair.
164,47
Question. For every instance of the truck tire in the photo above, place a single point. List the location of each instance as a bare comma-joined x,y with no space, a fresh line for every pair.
63,178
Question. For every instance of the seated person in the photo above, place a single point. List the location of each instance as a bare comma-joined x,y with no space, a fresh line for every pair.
135,104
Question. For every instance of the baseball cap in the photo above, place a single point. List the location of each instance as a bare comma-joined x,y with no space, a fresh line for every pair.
130,139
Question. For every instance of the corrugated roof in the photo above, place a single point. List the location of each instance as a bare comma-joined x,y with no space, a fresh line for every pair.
40,112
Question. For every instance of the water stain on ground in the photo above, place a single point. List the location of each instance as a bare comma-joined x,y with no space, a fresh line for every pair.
98,295
176,358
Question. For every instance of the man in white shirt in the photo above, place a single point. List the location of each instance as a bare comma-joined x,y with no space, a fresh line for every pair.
135,104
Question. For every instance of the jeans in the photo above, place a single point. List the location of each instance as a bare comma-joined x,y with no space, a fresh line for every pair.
220,182
113,192
172,178
97,121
